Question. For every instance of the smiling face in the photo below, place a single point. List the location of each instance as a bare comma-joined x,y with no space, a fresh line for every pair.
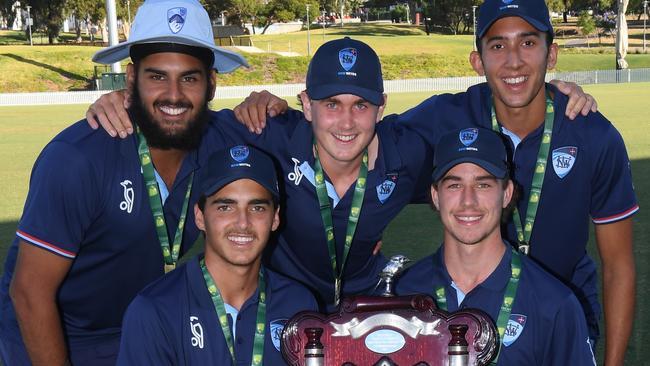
470,201
343,125
237,221
514,58
171,91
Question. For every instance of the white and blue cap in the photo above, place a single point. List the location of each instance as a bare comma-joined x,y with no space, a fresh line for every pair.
345,66
535,12
479,146
239,162
181,22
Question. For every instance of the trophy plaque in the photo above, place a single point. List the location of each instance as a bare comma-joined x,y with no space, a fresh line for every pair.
388,330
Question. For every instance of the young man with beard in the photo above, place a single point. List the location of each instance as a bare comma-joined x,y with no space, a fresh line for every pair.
539,320
223,308
105,217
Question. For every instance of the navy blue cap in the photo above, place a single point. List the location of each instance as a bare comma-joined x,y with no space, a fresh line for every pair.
534,12
239,162
480,146
345,66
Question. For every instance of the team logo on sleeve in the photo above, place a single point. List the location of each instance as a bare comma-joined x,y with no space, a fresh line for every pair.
563,160
197,332
176,19
347,58
468,136
127,204
277,326
514,328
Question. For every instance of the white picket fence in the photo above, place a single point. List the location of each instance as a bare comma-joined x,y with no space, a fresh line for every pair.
288,90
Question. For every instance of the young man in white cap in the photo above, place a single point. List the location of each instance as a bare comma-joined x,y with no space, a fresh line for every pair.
223,307
539,320
105,217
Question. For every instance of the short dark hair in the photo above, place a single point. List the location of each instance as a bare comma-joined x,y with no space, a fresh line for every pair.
203,199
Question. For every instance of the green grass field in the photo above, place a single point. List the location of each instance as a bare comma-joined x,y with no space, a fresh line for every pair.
25,130
406,52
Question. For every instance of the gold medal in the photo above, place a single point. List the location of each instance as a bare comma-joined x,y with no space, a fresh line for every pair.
169,267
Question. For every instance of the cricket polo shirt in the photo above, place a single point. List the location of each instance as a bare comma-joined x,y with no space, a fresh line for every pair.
173,321
546,325
587,177
87,202
401,171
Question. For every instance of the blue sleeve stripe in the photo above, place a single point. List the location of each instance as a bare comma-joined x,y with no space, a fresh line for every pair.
618,217
46,245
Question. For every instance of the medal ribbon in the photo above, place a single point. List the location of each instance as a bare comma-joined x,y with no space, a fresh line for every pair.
220,309
508,297
153,191
326,215
524,233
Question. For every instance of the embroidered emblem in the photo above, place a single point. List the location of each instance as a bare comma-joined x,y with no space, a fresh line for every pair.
296,175
384,190
563,160
176,19
197,332
468,136
514,328
127,204
347,58
239,153
276,331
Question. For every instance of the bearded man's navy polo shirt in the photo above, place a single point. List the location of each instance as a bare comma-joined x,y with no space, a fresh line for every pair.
588,177
546,324
400,176
88,202
173,321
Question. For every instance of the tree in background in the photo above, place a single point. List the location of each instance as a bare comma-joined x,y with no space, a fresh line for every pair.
48,15
450,15
587,24
6,7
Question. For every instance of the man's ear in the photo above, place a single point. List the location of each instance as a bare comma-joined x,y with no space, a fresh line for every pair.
212,83
507,194
198,217
551,58
477,63
276,219
380,111
434,197
306,105
130,77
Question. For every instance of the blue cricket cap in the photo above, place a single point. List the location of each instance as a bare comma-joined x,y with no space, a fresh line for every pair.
235,163
183,22
534,12
480,146
345,66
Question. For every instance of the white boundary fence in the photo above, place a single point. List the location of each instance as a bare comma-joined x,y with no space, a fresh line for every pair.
290,90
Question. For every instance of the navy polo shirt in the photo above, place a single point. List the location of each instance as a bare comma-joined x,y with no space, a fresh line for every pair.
400,176
546,325
88,202
173,321
587,178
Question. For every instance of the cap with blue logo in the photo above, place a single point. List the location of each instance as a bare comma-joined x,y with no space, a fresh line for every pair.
480,146
534,12
345,66
183,22
235,163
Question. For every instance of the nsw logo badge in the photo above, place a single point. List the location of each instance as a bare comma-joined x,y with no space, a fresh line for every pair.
347,58
176,18
468,136
514,328
563,160
276,331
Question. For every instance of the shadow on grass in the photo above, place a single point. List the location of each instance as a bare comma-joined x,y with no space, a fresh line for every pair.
62,72
374,30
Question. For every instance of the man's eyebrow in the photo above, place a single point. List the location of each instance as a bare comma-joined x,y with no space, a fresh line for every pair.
260,201
223,201
453,178
520,35
163,72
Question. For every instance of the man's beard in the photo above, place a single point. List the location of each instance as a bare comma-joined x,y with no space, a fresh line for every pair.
157,137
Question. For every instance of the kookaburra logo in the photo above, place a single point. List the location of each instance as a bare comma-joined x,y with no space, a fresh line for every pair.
127,204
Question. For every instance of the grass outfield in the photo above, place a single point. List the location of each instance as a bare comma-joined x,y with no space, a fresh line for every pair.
25,130
406,52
